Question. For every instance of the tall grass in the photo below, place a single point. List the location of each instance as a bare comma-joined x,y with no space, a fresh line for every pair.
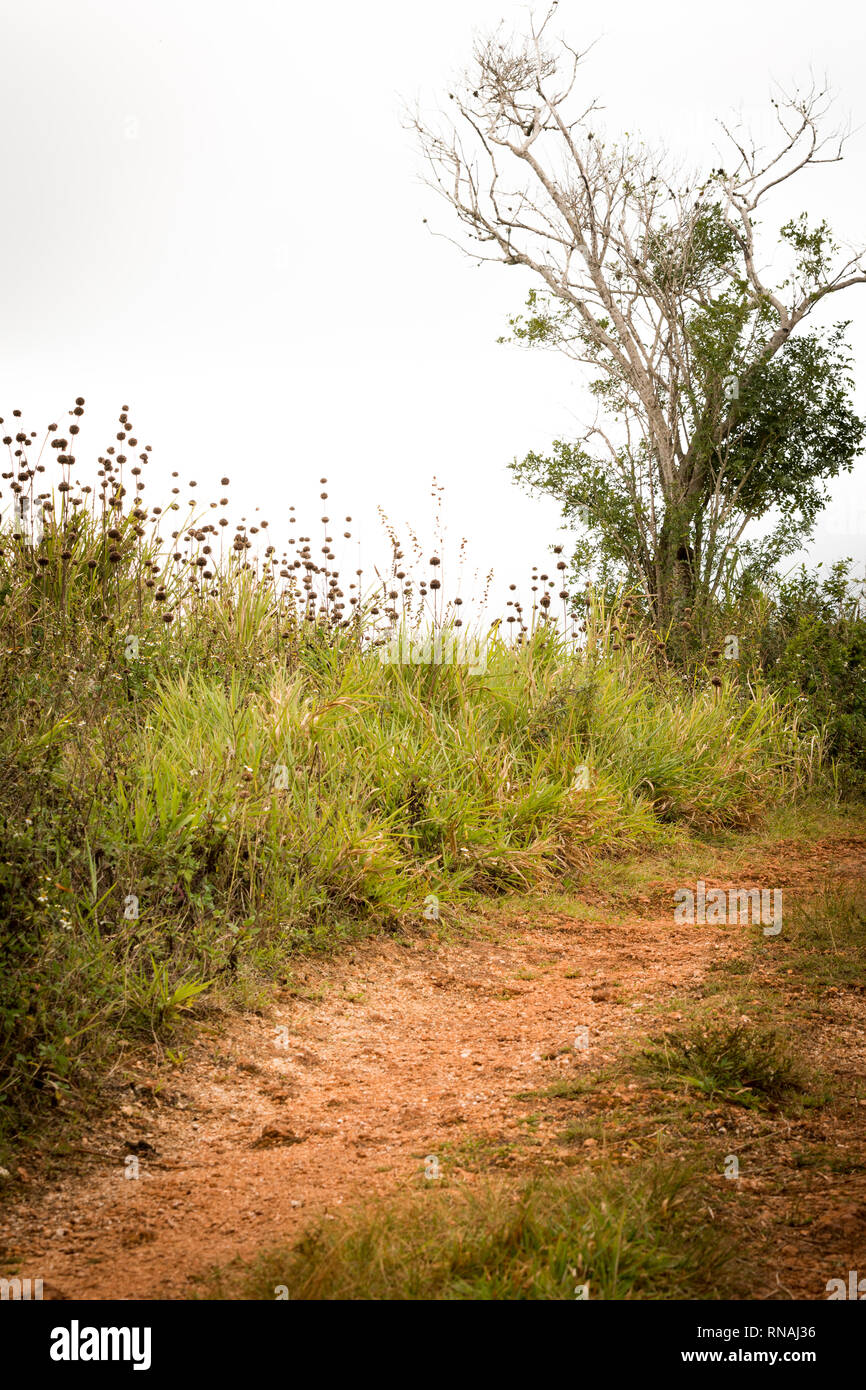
206,764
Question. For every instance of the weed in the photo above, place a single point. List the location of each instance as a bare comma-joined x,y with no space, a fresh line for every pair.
734,1063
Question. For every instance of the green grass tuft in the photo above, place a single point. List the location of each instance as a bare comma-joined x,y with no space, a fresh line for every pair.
735,1063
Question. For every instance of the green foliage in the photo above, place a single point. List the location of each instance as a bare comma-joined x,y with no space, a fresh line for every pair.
815,654
596,504
694,262
814,248
791,429
806,638
158,999
734,1063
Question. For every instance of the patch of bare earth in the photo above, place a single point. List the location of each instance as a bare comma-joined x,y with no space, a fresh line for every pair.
402,1049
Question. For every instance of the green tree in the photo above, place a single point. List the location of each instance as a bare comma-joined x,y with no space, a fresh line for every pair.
717,405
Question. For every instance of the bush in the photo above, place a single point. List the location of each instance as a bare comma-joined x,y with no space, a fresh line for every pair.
814,653
805,638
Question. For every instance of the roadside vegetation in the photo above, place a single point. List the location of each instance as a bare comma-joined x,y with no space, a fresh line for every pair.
207,765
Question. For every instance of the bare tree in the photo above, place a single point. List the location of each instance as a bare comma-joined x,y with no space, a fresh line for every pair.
654,279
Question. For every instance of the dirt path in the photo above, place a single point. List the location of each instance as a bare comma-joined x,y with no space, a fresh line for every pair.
401,1049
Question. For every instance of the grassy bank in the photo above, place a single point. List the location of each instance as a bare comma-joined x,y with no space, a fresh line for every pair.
206,765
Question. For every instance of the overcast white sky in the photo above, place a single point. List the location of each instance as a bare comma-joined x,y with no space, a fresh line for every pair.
212,213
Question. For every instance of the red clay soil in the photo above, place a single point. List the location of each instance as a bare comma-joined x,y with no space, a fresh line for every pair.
402,1049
